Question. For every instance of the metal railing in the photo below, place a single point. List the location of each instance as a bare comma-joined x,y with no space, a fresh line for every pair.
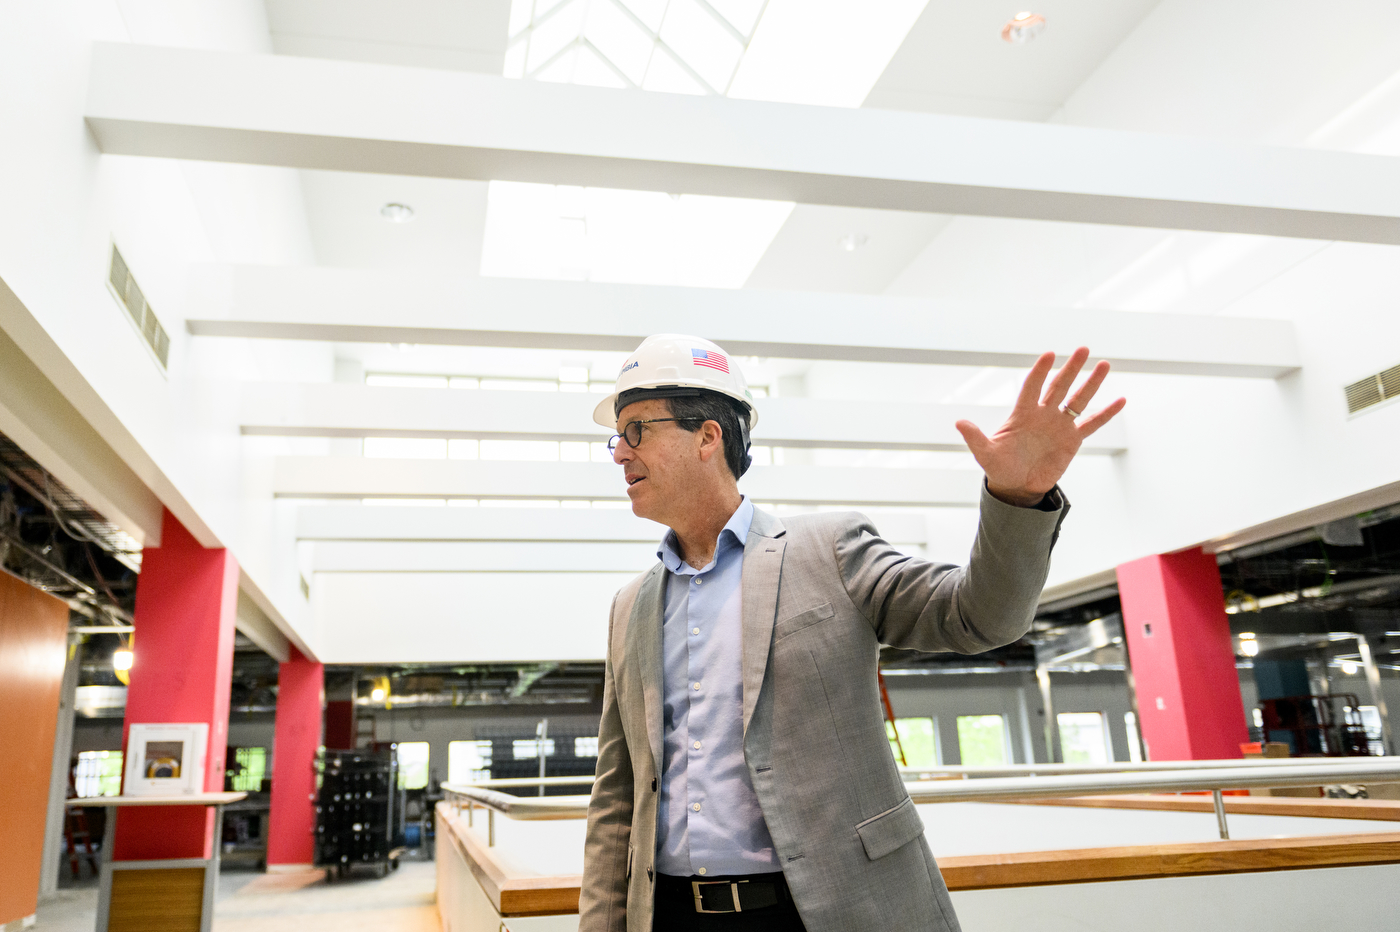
1064,781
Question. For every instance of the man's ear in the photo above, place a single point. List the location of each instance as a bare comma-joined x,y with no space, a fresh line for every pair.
711,440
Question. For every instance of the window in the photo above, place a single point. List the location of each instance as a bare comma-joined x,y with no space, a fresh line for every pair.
982,740
99,773
526,748
407,448
394,380
1083,738
413,765
1134,744
248,767
468,761
919,736
586,747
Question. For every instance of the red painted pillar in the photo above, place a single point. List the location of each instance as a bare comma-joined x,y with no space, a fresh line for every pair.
182,665
292,822
1182,656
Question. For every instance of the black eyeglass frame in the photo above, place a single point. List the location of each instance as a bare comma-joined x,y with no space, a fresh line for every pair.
612,444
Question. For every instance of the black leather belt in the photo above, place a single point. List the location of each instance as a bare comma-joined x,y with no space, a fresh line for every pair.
733,894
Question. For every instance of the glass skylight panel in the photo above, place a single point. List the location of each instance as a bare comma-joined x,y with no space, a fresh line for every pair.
824,52
703,42
650,12
621,38
668,76
741,14
639,237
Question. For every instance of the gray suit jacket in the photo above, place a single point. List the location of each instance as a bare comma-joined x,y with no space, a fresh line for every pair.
821,593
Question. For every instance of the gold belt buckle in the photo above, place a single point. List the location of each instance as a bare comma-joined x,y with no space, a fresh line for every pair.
733,886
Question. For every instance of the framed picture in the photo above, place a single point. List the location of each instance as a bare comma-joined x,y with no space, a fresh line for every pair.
166,759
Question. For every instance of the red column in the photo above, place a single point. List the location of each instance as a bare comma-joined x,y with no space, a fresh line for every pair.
1182,656
292,822
182,665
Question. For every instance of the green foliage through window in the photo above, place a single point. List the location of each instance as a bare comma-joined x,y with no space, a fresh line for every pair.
919,737
247,769
982,740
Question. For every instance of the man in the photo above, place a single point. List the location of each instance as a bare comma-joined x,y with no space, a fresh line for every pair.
744,778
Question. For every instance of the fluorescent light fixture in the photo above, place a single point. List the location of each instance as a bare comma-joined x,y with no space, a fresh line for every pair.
1246,635
824,52
122,660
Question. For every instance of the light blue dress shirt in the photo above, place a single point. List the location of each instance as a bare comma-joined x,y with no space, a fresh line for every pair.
709,821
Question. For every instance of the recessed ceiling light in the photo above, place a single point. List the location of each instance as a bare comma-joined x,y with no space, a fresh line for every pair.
1249,648
1023,27
1349,667
396,213
853,241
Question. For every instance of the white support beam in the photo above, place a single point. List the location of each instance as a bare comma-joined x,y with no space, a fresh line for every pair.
382,307
357,523
351,116
349,410
323,477
481,557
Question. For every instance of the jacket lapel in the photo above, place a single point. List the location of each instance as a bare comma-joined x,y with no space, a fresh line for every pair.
644,649
763,567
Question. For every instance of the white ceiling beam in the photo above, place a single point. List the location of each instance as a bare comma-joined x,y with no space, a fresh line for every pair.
481,557
321,477
352,116
273,409
378,307
416,524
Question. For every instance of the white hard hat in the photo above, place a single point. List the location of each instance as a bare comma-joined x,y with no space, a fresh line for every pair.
676,361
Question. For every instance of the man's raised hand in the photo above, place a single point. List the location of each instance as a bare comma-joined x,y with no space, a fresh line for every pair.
1030,452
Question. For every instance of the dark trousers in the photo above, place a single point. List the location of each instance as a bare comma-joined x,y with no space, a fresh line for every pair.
674,911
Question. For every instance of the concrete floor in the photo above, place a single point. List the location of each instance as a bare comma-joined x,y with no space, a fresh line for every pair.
302,902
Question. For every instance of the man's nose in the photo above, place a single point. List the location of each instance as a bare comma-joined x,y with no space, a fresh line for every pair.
622,453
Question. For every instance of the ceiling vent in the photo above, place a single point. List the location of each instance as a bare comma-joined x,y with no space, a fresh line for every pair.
1373,389
131,298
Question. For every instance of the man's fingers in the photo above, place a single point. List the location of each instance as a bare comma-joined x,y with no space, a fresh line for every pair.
1060,384
1085,394
976,441
1101,418
1035,380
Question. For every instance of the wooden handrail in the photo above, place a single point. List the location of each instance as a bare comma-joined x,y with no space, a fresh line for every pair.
516,894
1139,862
1380,810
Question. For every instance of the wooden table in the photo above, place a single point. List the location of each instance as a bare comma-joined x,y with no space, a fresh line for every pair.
128,913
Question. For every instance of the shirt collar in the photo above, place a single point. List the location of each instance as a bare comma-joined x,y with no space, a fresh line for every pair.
736,529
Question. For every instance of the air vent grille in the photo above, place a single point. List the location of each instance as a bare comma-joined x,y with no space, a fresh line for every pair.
129,294
1373,389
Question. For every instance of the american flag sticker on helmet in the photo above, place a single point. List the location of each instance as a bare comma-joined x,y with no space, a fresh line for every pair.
710,359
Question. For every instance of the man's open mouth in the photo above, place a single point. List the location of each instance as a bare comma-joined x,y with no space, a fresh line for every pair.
633,480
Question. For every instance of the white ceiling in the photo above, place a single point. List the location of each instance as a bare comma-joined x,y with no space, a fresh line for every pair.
955,61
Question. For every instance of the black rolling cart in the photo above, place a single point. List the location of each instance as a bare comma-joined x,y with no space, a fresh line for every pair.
358,812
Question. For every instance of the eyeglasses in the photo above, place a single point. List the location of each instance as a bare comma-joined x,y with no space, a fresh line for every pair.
632,433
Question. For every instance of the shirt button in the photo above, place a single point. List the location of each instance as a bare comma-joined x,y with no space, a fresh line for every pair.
695,806
702,870
697,686
698,580
694,630
697,745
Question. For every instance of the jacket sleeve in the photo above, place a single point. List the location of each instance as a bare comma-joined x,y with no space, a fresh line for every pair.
603,894
919,605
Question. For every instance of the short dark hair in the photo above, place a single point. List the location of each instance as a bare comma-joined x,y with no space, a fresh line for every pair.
693,411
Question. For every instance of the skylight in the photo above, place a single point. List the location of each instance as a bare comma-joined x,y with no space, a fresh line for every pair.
638,237
824,52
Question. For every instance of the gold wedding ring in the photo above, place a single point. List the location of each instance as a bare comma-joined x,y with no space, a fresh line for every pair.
1070,411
